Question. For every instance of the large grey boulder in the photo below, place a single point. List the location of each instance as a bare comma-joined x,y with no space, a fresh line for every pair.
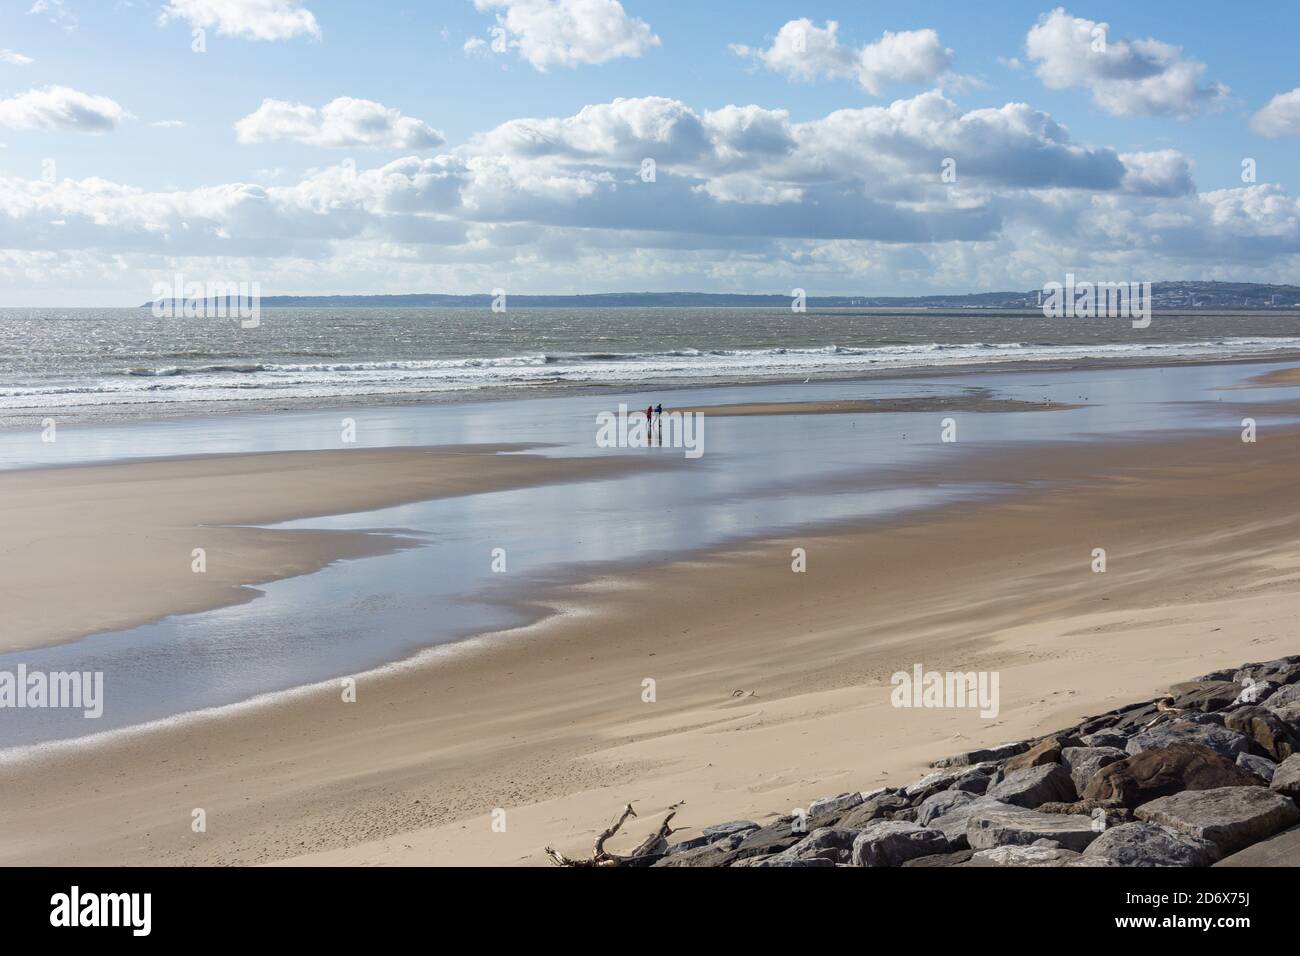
1229,817
1290,694
1284,670
1286,778
893,842
1034,786
1270,734
1023,856
1105,738
940,804
1204,695
712,834
1219,739
880,807
1148,844
991,824
781,860
1261,767
1000,752
835,806
1282,849
825,843
1084,762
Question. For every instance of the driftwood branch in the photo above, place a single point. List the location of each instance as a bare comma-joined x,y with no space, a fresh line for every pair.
652,846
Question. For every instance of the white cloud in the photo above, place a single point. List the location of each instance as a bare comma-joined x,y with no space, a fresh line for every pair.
566,32
15,58
57,13
744,197
345,122
59,108
1125,77
804,51
1281,117
251,19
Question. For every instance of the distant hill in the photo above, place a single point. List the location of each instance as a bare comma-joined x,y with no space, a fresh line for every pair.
1166,295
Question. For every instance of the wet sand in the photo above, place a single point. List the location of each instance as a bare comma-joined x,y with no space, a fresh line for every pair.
103,547
934,403
771,687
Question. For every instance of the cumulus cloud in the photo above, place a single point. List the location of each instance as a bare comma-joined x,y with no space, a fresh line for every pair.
345,122
1125,77
1281,117
15,58
550,33
742,191
804,51
250,19
61,109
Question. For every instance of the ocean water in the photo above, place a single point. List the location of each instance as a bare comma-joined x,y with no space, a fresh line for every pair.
113,364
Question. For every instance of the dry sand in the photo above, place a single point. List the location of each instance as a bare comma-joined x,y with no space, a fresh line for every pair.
103,547
772,687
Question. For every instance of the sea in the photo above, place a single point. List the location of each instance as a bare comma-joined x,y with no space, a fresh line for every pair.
114,364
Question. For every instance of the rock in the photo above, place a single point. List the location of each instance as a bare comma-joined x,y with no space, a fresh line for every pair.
1135,719
976,782
892,842
781,860
768,840
719,853
1084,762
1106,738
992,824
1163,771
1023,856
1034,785
1266,729
1204,695
825,843
1148,844
723,829
1282,849
932,783
1289,714
1229,817
1220,739
908,814
1261,767
882,807
1284,670
834,807
1001,752
940,804
1286,778
941,859
1044,752
1290,694
1255,692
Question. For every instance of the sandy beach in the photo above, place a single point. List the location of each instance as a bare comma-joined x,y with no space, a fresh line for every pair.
771,687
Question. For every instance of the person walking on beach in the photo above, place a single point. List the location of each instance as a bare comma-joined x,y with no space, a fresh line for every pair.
649,415
659,411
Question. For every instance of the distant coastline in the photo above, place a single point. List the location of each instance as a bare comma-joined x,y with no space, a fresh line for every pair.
1167,296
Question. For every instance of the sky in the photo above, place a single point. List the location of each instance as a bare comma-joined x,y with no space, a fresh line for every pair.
570,146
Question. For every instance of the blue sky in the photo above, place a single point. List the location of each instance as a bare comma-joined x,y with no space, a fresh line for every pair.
123,165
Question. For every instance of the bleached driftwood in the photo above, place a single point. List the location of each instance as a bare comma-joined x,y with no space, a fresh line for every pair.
652,846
